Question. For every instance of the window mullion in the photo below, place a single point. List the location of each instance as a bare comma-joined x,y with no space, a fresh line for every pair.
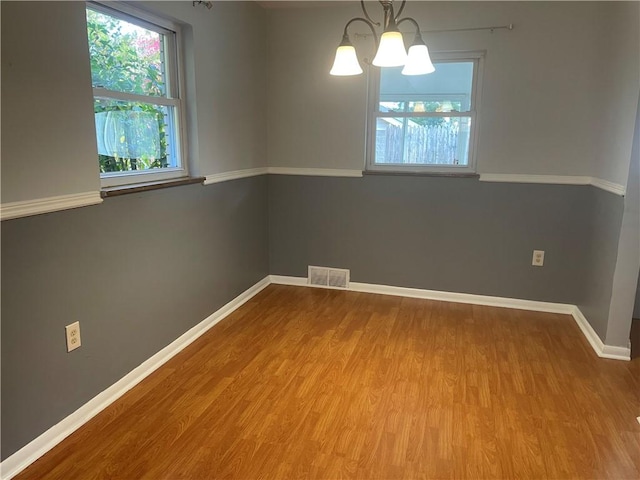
424,114
133,97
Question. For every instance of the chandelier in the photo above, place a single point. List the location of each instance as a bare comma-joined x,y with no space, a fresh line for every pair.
390,50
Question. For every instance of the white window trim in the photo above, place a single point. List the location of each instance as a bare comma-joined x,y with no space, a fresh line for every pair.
174,98
477,57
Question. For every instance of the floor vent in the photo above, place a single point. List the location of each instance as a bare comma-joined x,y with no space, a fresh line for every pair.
328,277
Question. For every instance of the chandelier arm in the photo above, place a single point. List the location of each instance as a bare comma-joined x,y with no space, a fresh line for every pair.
389,16
369,24
366,14
409,19
400,10
418,35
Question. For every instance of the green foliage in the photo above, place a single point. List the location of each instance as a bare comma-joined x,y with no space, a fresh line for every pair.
436,106
124,57
119,164
127,58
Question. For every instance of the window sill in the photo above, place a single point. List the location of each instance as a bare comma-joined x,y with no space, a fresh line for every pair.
422,174
146,186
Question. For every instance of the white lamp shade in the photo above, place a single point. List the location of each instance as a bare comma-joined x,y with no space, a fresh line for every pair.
391,52
418,61
346,62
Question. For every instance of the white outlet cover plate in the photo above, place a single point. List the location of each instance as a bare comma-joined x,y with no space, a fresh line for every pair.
73,336
538,258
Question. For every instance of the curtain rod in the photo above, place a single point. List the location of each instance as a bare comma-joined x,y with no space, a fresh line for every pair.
495,27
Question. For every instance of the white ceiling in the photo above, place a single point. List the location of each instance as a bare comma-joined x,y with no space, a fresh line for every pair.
299,3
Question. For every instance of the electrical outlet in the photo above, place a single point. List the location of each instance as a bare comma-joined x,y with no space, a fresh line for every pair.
73,336
538,258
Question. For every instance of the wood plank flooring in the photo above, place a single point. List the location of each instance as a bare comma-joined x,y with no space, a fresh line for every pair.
311,383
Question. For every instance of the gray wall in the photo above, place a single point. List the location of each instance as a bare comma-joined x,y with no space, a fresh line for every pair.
606,211
226,76
559,96
51,152
48,131
137,272
152,264
619,91
628,259
155,264
450,234
554,92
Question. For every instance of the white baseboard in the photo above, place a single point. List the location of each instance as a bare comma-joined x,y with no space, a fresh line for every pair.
439,295
282,280
28,454
602,350
38,206
463,298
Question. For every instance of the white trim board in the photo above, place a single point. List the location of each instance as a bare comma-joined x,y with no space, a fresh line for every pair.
227,176
467,298
608,186
485,177
38,206
315,172
555,180
28,454
611,187
604,351
601,349
252,172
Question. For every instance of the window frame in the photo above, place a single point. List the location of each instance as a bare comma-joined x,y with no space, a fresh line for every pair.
475,57
174,92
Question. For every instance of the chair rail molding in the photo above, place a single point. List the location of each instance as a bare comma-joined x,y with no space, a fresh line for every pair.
606,185
38,206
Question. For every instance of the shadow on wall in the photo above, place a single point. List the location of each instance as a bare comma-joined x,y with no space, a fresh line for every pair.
636,308
635,325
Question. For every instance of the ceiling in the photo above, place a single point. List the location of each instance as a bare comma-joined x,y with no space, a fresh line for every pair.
299,3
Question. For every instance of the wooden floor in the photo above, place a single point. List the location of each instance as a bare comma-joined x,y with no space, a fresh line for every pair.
311,383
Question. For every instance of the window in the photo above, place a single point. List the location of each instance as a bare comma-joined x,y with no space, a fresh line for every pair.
425,123
134,73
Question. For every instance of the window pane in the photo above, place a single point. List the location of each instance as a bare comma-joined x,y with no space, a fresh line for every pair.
442,106
423,141
392,106
125,57
389,140
426,135
445,90
133,135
